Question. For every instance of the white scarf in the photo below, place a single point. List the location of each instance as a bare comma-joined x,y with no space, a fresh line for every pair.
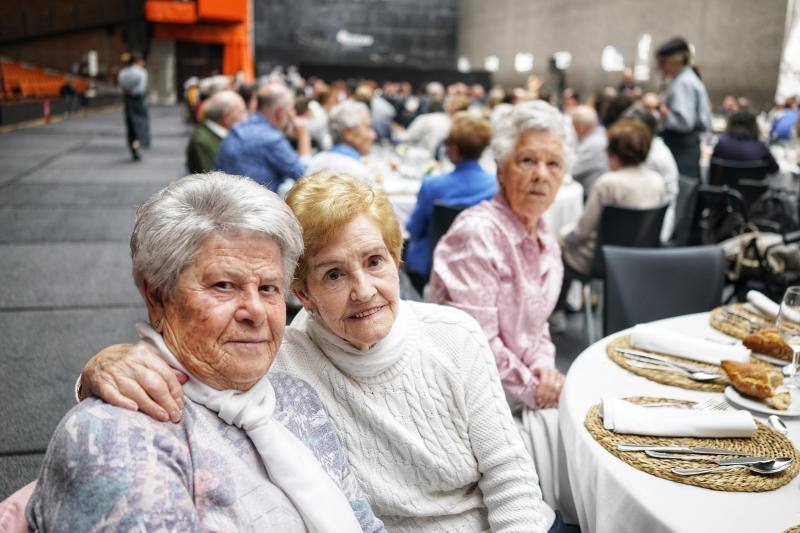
349,359
289,463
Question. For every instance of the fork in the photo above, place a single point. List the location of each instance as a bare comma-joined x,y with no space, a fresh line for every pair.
712,404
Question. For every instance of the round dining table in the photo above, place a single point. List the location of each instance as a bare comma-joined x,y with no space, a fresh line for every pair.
611,496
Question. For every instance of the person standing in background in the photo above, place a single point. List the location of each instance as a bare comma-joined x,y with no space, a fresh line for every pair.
685,111
132,81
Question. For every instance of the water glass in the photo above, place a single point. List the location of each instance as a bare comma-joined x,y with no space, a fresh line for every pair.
788,326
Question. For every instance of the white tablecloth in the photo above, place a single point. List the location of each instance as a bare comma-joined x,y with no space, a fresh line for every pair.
567,208
611,496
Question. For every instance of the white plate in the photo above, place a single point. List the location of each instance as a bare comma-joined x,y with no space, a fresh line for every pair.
769,359
759,407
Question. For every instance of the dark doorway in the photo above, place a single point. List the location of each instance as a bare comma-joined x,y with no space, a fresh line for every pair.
196,59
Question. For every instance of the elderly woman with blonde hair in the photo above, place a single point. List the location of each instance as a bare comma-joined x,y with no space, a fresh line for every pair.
465,186
212,257
412,388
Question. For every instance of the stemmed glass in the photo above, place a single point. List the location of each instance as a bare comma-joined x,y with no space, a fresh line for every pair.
788,326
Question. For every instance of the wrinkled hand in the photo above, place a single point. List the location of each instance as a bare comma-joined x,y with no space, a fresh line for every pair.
133,376
551,381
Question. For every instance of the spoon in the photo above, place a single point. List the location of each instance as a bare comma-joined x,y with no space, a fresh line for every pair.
778,424
778,465
697,376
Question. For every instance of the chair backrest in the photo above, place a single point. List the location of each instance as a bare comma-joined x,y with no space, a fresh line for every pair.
730,173
624,226
684,210
751,190
443,217
648,284
720,213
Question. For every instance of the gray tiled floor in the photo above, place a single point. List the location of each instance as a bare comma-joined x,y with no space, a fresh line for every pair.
67,197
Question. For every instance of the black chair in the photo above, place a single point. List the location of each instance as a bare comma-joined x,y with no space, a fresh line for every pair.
619,226
643,285
684,210
719,213
730,173
443,217
747,177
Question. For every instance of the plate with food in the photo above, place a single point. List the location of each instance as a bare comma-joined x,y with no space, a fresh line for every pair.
759,406
758,387
768,346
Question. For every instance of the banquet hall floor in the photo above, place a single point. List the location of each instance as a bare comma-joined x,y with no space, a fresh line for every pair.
68,192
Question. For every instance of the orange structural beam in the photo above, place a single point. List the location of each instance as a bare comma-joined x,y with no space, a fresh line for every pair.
170,12
222,10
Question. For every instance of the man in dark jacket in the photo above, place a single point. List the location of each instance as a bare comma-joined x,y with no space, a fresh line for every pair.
218,114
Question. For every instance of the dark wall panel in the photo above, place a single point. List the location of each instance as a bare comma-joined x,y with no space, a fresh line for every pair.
381,33
738,42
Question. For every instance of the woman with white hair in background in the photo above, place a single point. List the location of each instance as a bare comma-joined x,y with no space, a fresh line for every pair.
350,125
500,263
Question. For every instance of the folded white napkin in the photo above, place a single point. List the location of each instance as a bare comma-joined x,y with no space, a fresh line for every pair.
763,305
656,339
623,417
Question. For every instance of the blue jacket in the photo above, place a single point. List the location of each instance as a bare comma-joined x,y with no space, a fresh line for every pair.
256,149
467,185
783,125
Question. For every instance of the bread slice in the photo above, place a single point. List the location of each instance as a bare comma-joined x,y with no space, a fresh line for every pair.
753,379
781,401
768,342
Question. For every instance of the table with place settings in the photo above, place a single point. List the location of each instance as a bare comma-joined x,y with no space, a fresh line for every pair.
611,496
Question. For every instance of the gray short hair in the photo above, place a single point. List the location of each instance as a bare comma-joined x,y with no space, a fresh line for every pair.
346,114
272,95
171,225
584,115
509,124
219,104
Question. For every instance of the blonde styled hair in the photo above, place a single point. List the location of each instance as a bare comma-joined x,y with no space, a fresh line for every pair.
325,202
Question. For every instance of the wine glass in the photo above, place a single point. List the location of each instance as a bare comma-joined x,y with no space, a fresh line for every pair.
788,326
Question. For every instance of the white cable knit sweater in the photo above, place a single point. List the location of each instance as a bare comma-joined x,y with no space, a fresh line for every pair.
425,422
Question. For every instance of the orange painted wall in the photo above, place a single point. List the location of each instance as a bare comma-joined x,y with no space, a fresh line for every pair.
233,36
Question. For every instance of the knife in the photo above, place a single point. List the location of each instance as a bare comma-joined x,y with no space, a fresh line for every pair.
625,447
653,357
744,460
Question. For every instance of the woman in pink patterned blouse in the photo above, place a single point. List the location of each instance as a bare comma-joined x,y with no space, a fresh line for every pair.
500,263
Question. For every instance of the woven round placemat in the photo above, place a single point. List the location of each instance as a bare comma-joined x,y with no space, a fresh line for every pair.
736,326
667,378
765,442
795,529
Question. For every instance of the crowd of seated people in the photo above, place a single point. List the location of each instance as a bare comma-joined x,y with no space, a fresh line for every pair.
383,413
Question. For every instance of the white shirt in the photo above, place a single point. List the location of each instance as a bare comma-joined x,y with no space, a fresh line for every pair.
218,130
425,422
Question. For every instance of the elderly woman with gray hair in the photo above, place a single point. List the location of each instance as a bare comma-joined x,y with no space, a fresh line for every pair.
500,263
350,125
212,257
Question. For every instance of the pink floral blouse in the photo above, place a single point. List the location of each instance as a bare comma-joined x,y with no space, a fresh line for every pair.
488,266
